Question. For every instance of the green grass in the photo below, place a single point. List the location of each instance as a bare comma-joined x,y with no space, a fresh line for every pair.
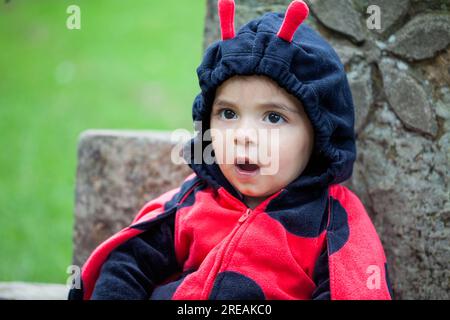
131,66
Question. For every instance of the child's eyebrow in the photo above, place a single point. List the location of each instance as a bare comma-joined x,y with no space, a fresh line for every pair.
265,105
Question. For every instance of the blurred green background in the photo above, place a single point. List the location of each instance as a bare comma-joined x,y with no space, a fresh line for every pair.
131,66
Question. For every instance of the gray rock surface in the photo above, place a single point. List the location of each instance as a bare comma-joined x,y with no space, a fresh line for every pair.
405,178
392,12
408,98
360,80
346,52
422,37
339,15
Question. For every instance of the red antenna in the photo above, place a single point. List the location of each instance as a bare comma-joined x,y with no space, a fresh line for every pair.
226,15
296,13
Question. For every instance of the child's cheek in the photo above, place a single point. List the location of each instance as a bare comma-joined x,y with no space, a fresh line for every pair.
293,151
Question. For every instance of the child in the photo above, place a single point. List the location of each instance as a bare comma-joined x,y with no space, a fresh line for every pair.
235,229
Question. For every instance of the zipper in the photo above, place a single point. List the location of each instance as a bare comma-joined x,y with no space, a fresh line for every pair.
245,216
226,248
213,273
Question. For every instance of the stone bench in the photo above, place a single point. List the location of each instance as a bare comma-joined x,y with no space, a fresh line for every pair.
118,172
32,291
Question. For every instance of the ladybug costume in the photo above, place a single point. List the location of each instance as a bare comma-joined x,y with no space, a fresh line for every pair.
312,239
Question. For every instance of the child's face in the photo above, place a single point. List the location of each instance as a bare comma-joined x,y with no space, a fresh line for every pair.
245,105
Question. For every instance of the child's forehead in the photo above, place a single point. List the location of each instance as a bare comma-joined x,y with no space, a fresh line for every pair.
251,79
255,88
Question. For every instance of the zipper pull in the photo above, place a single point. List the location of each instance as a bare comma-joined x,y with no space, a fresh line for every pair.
244,216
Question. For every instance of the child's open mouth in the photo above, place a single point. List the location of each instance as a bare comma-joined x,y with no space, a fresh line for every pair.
246,168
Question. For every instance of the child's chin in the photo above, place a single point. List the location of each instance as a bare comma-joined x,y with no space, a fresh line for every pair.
252,190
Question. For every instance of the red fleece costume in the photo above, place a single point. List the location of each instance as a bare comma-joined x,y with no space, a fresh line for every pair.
222,246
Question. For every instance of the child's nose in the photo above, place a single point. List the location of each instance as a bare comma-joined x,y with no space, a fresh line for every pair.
245,136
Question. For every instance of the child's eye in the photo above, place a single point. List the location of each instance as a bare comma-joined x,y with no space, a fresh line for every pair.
227,114
274,118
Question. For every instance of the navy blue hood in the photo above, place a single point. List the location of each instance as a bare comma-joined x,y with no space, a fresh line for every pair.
307,68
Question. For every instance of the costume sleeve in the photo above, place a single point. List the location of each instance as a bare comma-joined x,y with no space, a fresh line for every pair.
134,260
357,262
322,278
135,267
